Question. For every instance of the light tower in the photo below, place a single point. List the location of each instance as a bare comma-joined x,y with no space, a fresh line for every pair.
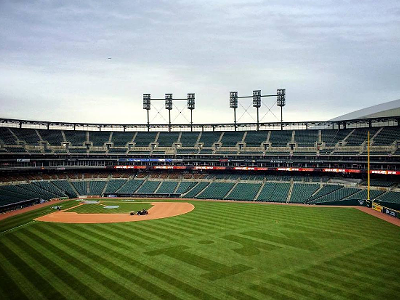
146,106
191,106
233,103
281,102
257,104
168,106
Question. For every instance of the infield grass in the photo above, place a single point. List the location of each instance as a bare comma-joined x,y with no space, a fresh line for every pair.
217,251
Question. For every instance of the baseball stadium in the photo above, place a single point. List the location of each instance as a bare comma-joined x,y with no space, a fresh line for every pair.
263,210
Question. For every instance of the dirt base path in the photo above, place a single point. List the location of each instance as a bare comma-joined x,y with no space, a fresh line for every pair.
159,210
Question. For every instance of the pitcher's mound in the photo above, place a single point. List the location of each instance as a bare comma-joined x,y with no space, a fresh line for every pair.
159,210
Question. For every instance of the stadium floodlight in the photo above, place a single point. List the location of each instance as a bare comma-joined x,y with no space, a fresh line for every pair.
168,101
191,105
233,103
146,101
281,97
190,101
281,102
257,98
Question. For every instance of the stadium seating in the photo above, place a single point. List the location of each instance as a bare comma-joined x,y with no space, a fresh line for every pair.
29,136
387,136
337,195
53,137
306,138
280,138
389,197
144,139
148,187
301,192
113,185
96,187
359,136
76,138
255,138
196,189
230,139
80,187
7,137
166,139
274,192
216,190
65,187
325,190
121,139
209,138
189,139
244,191
99,138
130,186
333,136
167,187
184,186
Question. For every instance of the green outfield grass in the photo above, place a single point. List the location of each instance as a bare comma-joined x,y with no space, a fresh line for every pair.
124,207
217,251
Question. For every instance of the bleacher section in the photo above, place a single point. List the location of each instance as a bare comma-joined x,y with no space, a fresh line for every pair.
80,187
96,187
280,138
65,187
114,185
167,187
216,190
53,137
130,187
244,191
76,138
28,136
324,142
166,139
189,139
270,188
99,138
387,136
274,192
121,139
148,187
209,138
302,192
144,139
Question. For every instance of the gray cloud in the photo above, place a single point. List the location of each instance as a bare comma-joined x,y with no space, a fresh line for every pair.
331,56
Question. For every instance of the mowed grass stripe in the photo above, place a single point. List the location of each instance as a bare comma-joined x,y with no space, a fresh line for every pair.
107,248
328,287
51,272
130,230
367,269
171,232
120,232
295,289
107,286
35,278
360,280
8,284
117,266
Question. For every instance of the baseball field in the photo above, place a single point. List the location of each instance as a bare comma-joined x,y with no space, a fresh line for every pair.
218,250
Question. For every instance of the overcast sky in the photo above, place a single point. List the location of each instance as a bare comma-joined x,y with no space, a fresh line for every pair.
332,57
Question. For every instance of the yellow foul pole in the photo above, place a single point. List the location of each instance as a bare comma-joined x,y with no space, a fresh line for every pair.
369,175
